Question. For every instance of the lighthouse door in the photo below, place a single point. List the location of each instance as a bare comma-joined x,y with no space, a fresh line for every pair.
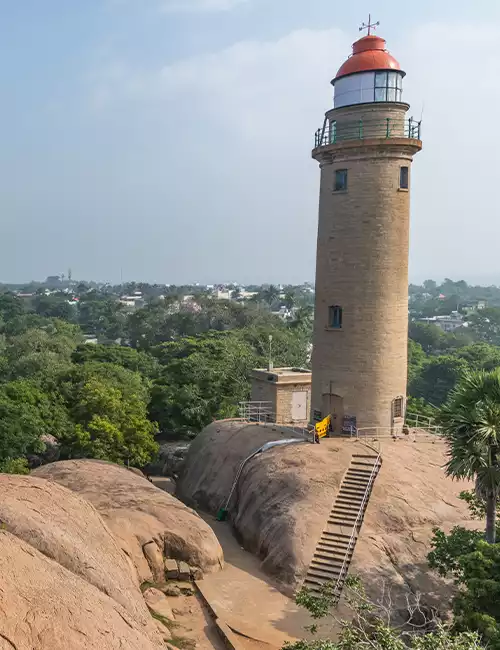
334,405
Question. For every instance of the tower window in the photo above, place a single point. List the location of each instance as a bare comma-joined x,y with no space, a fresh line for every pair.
398,407
340,180
404,177
388,86
335,317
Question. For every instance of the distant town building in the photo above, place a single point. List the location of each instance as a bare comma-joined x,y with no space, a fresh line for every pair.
447,323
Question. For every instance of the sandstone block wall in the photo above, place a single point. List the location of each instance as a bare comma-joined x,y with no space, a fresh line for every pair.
362,266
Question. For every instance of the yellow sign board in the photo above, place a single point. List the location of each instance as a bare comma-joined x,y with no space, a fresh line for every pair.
322,427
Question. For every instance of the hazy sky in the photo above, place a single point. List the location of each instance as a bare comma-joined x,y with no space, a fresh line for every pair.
172,138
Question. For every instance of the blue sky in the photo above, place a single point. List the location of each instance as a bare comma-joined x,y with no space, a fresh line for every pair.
170,139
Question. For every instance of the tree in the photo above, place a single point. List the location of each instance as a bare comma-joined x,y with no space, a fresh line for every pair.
430,286
25,415
480,356
436,378
54,306
108,405
42,353
370,625
471,424
429,336
102,316
416,360
202,378
270,295
485,324
135,360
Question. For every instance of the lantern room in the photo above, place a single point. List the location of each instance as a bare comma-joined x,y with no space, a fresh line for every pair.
369,75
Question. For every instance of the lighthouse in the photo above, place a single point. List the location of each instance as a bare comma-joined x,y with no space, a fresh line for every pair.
365,150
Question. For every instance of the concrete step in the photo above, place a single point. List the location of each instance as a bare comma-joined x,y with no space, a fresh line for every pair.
353,487
340,536
342,521
326,576
315,584
328,555
325,545
353,483
343,500
348,510
349,491
327,564
358,473
334,543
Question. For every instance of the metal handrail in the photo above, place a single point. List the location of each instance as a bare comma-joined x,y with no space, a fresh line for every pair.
352,540
391,432
338,131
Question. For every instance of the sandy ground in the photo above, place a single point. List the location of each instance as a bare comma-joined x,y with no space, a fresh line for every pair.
243,597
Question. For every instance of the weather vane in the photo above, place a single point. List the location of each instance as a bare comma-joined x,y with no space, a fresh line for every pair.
370,25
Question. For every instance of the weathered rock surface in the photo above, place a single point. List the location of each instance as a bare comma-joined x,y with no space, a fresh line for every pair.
138,513
45,606
158,603
284,496
68,529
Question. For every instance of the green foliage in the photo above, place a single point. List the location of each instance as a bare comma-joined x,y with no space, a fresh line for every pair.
471,424
23,408
54,306
101,316
369,626
437,378
447,550
428,336
201,378
485,324
477,605
128,358
14,466
108,405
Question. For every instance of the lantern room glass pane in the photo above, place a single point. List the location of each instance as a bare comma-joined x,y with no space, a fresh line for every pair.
399,81
380,79
380,94
391,94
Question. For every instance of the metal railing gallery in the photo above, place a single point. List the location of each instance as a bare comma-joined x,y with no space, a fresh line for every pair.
390,127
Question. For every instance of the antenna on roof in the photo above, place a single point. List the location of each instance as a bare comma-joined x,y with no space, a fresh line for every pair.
271,366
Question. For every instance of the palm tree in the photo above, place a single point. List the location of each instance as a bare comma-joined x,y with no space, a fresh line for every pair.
471,424
270,294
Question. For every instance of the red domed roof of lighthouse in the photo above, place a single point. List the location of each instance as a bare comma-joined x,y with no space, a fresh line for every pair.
368,54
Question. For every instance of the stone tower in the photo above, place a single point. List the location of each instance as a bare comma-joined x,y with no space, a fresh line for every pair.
365,150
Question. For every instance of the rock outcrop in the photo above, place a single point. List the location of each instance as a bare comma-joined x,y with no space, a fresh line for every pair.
148,523
284,496
68,529
65,581
44,605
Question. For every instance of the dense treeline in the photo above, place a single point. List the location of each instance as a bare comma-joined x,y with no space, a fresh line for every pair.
178,367
170,367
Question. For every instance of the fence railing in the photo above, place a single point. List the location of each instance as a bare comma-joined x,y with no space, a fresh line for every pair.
417,420
262,412
391,432
390,127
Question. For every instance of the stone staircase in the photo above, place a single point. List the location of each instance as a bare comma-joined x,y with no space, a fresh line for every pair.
335,548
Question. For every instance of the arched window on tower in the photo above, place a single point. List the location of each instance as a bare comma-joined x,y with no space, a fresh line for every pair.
398,408
335,317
